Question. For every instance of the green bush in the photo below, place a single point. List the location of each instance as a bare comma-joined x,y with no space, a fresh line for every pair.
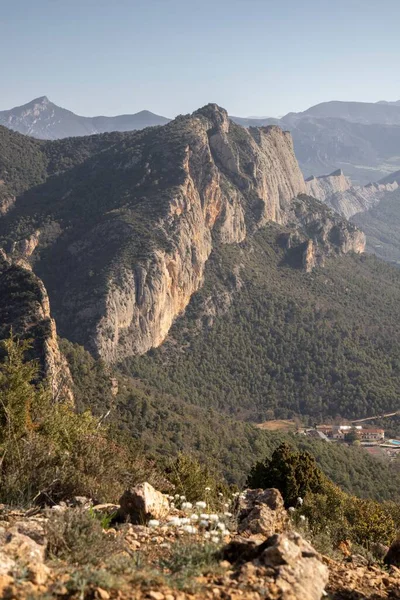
332,515
194,480
48,451
295,474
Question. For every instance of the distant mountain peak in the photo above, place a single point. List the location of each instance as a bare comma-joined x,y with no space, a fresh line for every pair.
43,119
41,100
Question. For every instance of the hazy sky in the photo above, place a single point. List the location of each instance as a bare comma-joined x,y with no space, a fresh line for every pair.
254,57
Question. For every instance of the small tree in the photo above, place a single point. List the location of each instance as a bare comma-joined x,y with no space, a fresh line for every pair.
351,437
20,397
294,474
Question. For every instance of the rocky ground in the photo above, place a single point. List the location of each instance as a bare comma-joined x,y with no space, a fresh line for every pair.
246,548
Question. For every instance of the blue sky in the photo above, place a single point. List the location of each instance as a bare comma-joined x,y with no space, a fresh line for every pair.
254,57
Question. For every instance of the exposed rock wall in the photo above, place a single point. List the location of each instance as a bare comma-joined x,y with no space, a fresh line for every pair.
322,233
24,307
360,199
326,185
212,202
338,193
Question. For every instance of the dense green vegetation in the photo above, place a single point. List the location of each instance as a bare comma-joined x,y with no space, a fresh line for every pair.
325,509
50,452
163,426
323,344
26,162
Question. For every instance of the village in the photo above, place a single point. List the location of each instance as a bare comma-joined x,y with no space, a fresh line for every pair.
370,438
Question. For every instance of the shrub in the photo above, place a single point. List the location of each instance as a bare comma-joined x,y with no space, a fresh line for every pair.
294,474
332,516
186,561
77,537
48,451
193,480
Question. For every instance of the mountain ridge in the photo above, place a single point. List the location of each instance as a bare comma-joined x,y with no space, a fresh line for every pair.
162,199
43,119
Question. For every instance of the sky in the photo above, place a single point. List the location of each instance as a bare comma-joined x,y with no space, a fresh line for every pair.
253,57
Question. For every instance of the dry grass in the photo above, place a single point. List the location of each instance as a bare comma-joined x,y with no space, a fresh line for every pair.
277,425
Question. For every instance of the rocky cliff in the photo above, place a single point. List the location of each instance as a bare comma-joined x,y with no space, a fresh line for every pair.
231,181
325,186
318,232
25,308
121,239
337,192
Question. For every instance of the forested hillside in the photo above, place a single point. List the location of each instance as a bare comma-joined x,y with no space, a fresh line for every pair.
163,425
263,339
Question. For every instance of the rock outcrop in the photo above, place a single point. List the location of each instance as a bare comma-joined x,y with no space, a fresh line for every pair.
262,512
325,186
25,308
142,503
318,232
339,194
285,564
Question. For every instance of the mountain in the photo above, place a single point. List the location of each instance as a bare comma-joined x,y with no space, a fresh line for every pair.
375,208
162,199
364,152
338,193
356,112
204,280
42,119
362,139
196,244
324,186
396,102
392,178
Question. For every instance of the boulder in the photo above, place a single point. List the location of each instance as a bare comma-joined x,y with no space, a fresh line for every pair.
24,548
299,571
262,512
142,503
284,563
31,529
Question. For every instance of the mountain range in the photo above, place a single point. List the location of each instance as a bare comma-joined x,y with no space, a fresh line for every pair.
42,119
190,264
360,138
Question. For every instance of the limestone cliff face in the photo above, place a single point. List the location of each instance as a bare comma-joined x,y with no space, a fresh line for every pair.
360,198
24,306
325,186
230,186
319,233
339,194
